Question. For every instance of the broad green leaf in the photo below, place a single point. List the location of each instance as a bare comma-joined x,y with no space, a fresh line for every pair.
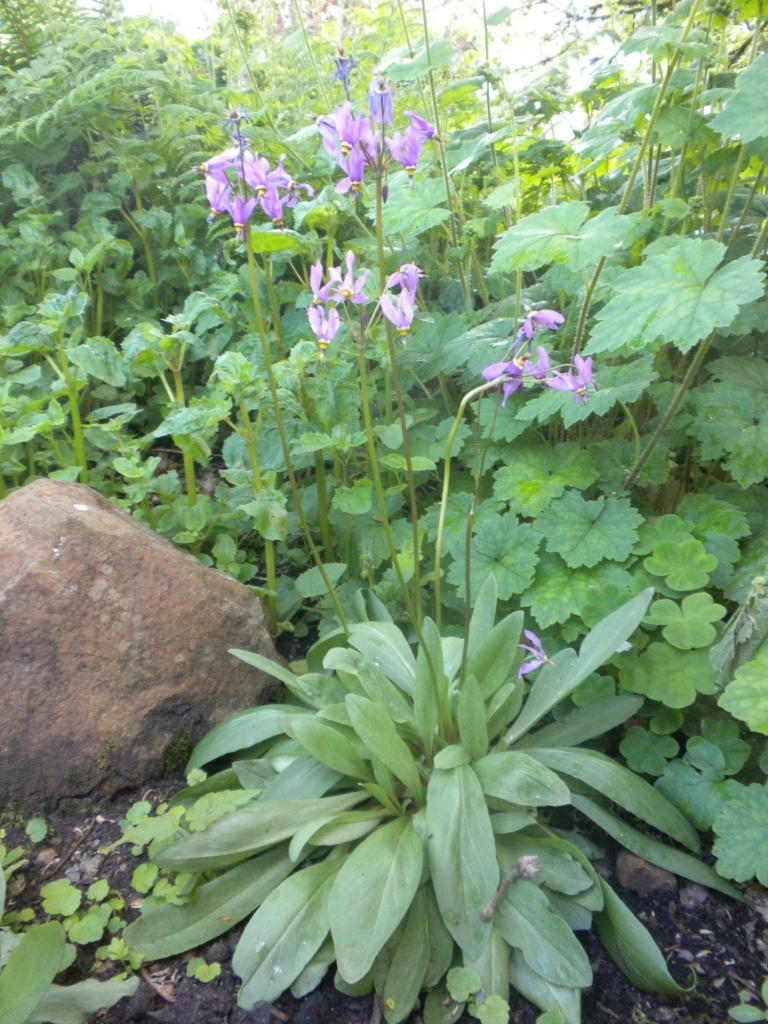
315,970
245,729
217,906
330,746
248,830
440,941
411,209
746,696
452,756
559,869
265,240
372,682
462,982
646,752
661,854
60,897
700,794
471,719
503,546
491,660
284,934
430,687
36,829
355,500
724,733
671,676
542,993
741,846
632,947
212,806
311,584
553,683
679,296
688,625
384,644
492,969
29,971
558,592
100,359
684,566
462,855
586,532
744,114
520,779
623,787
547,943
535,475
483,615
270,516
439,1008
372,894
408,964
584,724
74,1004
377,731
303,779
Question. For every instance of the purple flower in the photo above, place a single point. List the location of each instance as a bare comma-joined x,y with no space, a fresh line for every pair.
343,67
324,328
539,657
406,148
272,205
354,165
406,277
351,130
541,318
218,193
540,370
381,109
240,211
579,383
217,165
326,125
512,370
320,291
401,316
349,289
256,173
425,128
280,178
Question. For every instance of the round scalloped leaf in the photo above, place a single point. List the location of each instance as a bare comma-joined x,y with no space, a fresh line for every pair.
688,625
646,752
668,675
664,528
742,830
594,688
587,532
666,721
724,733
684,566
506,548
711,515
746,696
601,602
700,797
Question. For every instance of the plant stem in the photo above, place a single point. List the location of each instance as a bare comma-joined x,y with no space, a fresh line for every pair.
269,548
745,210
189,462
401,413
693,369
281,430
731,189
760,240
322,505
147,248
78,441
631,421
320,81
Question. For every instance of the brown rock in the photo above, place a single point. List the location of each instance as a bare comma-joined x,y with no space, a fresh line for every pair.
114,645
641,877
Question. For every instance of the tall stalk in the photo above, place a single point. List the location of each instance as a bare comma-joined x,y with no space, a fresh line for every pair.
320,81
189,462
401,412
269,547
322,505
281,430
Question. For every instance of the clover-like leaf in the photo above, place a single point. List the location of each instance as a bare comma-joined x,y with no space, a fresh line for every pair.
602,600
536,474
462,982
684,566
646,752
746,696
711,515
668,675
745,114
724,733
586,532
662,528
594,688
506,548
60,897
688,625
742,830
558,592
678,296
696,784
666,721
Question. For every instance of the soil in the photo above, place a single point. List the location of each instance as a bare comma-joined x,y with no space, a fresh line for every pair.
724,942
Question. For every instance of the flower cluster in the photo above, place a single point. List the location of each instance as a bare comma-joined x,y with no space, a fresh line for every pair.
511,374
401,315
339,288
356,142
230,173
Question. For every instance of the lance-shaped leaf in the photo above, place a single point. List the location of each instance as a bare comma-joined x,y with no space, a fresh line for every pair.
471,717
583,724
623,787
216,907
542,993
384,644
74,1004
520,779
462,855
746,113
372,894
29,970
243,730
491,659
408,964
284,934
330,746
678,296
377,731
632,947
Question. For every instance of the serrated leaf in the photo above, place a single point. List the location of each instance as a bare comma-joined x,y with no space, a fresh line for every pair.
504,546
679,296
745,112
741,846
270,517
60,897
558,592
746,696
537,474
586,532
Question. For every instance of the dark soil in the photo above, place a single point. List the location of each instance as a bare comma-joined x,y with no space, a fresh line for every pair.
723,942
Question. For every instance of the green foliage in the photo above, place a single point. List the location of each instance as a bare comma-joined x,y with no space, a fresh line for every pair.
742,835
746,696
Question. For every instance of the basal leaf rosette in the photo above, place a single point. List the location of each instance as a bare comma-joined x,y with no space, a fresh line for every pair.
392,823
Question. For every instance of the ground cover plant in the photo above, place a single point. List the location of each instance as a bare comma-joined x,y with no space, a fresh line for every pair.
349,314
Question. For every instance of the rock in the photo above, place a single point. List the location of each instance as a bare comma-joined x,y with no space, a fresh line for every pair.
693,896
90,867
641,877
45,857
114,646
73,874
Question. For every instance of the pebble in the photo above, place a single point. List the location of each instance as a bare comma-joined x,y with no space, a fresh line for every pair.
90,867
73,874
45,857
641,877
685,954
692,897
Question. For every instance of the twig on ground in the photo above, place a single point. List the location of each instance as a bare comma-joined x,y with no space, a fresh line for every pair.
525,867
56,865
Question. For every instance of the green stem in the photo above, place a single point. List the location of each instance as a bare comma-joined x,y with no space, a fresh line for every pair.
189,462
693,369
631,421
760,240
78,441
401,413
745,210
446,487
281,431
634,172
276,321
731,190
322,506
320,81
269,548
147,248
